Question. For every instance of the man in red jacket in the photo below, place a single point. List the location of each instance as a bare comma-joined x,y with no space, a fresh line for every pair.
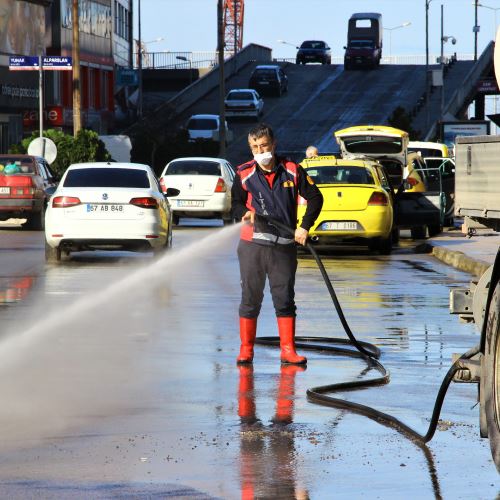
268,188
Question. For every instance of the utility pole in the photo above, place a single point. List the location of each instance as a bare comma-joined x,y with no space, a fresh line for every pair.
235,26
139,90
476,29
222,90
427,79
40,95
77,94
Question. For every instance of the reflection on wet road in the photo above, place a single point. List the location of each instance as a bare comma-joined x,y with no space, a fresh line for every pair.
126,375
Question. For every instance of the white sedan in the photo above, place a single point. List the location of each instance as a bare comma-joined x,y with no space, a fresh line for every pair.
108,206
205,186
243,102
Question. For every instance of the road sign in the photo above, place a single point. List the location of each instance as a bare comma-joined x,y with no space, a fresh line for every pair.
44,147
24,63
57,63
127,77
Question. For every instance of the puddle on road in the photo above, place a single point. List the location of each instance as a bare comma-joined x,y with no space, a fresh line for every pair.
76,358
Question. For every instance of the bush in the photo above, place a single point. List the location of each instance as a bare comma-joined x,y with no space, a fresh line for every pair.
86,146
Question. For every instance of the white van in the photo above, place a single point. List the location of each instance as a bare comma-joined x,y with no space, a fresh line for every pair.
206,127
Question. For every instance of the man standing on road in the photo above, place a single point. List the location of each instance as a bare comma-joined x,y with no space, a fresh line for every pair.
270,186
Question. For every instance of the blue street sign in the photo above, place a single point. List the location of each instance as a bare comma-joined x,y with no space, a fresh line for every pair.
58,63
24,63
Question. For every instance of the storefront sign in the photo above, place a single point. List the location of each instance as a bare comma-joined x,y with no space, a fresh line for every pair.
52,116
17,91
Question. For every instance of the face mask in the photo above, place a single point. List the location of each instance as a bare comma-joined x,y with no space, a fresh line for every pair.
263,159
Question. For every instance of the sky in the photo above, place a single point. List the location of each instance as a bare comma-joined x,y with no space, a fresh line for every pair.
191,25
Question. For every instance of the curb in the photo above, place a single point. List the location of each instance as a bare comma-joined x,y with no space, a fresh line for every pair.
459,260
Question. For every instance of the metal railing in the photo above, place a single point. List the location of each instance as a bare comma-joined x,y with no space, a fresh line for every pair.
179,60
397,59
208,59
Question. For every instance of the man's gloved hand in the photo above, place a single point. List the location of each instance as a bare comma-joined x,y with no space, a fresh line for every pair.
301,235
249,217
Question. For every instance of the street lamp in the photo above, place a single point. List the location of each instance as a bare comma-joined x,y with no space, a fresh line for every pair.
284,42
444,39
390,30
183,58
287,43
427,107
494,9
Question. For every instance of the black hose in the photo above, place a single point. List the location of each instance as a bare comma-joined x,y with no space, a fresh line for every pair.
370,354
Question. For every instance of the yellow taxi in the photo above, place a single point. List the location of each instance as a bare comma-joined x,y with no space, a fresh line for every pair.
388,146
429,149
357,206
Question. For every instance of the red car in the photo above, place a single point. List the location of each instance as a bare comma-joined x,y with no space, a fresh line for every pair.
26,184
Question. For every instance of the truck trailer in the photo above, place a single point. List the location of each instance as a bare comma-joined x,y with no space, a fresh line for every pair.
477,196
364,41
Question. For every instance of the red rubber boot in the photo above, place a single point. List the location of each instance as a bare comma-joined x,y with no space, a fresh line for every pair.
248,331
286,327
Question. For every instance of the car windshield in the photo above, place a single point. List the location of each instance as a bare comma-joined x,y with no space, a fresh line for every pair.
240,96
345,174
202,124
426,151
361,44
107,178
269,73
25,165
189,167
313,45
375,145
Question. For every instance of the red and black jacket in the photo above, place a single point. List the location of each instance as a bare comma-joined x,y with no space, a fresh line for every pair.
274,195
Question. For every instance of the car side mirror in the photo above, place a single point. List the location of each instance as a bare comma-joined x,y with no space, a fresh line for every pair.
51,190
171,192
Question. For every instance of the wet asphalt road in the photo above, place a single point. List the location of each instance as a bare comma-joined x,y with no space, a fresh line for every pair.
118,379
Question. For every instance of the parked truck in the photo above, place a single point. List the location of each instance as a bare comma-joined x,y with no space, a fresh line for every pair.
477,196
364,41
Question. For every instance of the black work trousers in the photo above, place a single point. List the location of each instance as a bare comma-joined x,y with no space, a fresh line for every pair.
279,264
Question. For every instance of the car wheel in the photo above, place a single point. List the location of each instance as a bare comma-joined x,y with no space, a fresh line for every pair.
175,219
381,245
434,230
35,221
52,255
418,233
395,235
490,371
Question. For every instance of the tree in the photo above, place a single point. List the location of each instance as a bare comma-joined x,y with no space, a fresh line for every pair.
401,119
86,146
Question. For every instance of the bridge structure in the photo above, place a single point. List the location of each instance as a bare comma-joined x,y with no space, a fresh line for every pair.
322,99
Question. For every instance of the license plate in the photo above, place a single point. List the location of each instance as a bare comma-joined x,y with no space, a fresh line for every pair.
263,83
190,203
339,226
104,208
4,190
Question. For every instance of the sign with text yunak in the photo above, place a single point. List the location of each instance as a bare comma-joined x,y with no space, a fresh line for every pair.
27,63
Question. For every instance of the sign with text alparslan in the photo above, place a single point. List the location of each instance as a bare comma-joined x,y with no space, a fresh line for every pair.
51,63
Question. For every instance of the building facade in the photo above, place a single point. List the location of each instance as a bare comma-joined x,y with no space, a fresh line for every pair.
45,27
